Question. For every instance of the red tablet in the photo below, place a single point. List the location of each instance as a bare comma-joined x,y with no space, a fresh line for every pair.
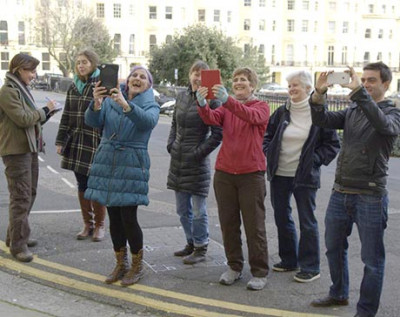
209,78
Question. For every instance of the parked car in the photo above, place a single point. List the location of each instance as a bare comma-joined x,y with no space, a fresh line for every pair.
168,107
273,88
40,83
161,98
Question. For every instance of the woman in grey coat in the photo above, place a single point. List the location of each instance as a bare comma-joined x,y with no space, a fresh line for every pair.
190,142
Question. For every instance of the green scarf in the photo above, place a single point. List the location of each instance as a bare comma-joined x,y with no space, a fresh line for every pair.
80,85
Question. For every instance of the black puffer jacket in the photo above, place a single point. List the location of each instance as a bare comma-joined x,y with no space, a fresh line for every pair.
369,132
189,144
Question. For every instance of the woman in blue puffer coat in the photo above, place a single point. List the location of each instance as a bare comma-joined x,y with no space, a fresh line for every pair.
119,173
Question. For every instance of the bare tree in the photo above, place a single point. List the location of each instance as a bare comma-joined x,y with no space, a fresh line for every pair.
66,27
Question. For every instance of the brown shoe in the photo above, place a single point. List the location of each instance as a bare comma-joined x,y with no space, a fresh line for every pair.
87,215
31,243
25,256
120,268
198,255
329,301
99,216
136,271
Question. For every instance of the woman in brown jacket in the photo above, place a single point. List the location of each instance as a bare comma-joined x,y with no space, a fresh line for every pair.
21,140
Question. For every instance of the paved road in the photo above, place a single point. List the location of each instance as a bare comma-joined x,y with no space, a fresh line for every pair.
67,274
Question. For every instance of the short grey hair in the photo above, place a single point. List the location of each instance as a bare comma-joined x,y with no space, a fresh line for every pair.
304,77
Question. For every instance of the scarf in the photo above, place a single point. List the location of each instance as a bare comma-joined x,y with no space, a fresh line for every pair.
26,94
80,85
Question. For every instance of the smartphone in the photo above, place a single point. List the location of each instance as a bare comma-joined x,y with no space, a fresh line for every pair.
209,78
109,76
340,78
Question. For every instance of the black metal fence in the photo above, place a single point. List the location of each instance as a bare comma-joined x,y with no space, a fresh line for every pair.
276,100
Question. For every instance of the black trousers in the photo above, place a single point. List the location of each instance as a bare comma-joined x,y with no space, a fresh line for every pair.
124,227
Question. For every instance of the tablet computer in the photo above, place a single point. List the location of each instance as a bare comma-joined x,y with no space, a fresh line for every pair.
209,78
109,76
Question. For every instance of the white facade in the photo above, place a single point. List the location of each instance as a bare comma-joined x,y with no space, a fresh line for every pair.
293,34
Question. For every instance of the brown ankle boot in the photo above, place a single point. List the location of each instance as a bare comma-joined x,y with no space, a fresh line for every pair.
99,216
135,273
87,215
120,268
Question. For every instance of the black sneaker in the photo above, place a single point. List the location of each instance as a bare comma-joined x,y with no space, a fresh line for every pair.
304,277
187,250
279,267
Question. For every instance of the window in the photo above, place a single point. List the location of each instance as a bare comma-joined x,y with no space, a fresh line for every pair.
306,4
117,43
246,49
153,41
246,25
168,13
367,33
5,57
291,4
152,12
370,8
315,26
331,26
290,25
117,10
100,10
132,44
21,33
344,55
261,49
168,39
131,10
316,6
262,3
274,3
379,57
202,15
383,8
261,25
345,28
331,51
3,33
273,25
380,34
229,17
390,34
332,5
366,57
45,61
304,26
217,15
273,54
289,54
247,3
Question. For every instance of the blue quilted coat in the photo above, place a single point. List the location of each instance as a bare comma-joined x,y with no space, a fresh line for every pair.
119,173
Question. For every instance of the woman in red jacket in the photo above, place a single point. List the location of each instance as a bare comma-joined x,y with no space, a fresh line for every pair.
239,181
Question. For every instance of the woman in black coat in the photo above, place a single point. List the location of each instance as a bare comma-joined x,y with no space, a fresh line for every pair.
189,143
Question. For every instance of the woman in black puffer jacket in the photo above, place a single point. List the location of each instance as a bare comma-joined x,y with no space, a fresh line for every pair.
189,143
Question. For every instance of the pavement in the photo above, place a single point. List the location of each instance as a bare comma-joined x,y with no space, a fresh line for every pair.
66,275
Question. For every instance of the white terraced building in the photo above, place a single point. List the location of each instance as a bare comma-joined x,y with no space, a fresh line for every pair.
292,34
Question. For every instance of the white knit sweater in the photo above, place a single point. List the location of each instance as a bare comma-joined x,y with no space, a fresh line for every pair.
294,137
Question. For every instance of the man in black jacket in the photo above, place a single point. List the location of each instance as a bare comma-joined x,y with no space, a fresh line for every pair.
370,127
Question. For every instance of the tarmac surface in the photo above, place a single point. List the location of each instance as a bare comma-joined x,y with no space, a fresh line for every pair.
66,276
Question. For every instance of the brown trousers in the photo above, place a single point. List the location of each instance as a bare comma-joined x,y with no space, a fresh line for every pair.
243,196
22,173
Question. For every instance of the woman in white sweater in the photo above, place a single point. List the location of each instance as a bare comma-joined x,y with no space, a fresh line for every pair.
295,150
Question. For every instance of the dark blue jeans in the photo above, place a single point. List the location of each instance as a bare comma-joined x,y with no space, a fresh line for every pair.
369,213
305,253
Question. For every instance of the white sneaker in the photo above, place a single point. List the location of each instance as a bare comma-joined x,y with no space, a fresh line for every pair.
257,283
229,277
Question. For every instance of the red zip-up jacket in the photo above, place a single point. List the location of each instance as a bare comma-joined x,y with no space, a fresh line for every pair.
243,128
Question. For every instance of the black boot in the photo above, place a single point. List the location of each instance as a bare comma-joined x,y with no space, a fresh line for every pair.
187,250
198,255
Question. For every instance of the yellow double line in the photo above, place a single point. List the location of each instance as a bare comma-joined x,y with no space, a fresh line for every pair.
159,305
